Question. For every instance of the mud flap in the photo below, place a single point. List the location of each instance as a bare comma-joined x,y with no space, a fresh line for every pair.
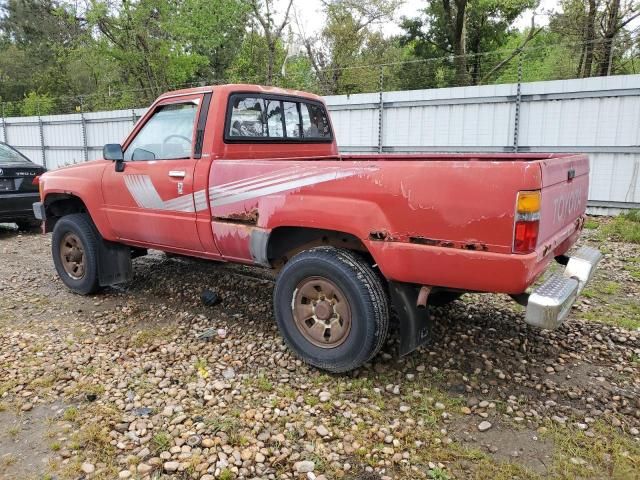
114,263
415,323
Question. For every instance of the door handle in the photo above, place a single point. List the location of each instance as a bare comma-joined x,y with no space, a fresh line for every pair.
177,173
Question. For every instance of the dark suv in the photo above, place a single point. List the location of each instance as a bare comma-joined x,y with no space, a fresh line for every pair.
18,187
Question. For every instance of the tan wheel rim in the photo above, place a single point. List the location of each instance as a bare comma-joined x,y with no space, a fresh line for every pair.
321,312
72,256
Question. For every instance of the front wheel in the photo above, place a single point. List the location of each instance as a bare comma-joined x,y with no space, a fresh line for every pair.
331,309
74,248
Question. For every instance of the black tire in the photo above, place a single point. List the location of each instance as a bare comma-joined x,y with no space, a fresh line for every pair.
82,227
440,299
366,297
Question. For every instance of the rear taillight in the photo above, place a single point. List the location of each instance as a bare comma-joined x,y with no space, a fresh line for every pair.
36,180
525,235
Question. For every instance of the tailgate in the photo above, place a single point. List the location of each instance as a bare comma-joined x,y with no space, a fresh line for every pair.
565,186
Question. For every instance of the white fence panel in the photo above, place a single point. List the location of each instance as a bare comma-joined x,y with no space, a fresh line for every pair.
599,116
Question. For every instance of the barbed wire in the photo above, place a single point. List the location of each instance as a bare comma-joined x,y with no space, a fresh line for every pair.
321,80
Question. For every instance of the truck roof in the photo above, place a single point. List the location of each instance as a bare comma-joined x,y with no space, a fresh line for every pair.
243,87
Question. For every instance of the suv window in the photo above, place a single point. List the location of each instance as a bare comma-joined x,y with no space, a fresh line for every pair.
253,118
167,135
314,121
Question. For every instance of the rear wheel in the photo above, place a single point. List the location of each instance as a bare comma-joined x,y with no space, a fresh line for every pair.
75,253
331,308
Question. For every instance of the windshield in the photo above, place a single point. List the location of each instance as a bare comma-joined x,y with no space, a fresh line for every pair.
9,155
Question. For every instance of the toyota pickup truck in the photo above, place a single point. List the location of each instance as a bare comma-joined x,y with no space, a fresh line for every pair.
252,174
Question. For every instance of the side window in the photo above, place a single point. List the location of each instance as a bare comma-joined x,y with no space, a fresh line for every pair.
247,117
275,128
314,121
167,135
291,119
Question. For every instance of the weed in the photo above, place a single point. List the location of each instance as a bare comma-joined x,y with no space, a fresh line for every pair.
624,228
438,474
70,414
161,442
226,474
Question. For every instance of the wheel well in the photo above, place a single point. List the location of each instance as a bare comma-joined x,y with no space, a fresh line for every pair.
285,242
57,205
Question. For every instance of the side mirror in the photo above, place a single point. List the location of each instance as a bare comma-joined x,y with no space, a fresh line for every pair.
113,151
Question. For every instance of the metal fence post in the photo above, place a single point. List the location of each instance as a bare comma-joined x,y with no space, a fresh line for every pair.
41,131
85,148
381,111
516,121
4,126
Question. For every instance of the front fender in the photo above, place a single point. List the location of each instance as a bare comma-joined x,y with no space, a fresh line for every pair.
83,182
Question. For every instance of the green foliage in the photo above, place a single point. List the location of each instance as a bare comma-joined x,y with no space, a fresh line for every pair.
61,56
35,104
624,228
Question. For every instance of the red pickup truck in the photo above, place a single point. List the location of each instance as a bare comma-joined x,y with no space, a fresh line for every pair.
251,174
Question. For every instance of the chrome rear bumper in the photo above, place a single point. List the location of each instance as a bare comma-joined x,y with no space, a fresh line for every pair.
550,303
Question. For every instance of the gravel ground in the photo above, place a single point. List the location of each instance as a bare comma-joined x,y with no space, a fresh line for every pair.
119,385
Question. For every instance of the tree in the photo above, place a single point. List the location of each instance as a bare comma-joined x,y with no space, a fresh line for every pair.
211,29
264,14
35,37
617,15
466,31
347,43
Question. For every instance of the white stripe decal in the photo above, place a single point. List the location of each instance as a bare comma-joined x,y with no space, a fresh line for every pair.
146,196
302,181
215,192
259,178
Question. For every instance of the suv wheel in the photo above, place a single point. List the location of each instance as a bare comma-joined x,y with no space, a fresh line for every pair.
331,308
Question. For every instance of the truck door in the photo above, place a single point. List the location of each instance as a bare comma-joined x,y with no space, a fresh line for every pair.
152,200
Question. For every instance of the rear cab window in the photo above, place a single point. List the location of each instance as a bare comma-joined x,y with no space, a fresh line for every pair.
253,117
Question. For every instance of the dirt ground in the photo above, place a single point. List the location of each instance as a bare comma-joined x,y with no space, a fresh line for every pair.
143,381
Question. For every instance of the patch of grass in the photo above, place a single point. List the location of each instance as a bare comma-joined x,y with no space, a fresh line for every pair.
632,265
7,385
150,335
14,431
222,424
200,366
438,474
70,414
623,314
83,388
602,289
623,228
55,446
591,223
311,400
161,442
609,454
3,407
226,474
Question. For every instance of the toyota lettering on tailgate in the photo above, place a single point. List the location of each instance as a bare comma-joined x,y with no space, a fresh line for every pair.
567,205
